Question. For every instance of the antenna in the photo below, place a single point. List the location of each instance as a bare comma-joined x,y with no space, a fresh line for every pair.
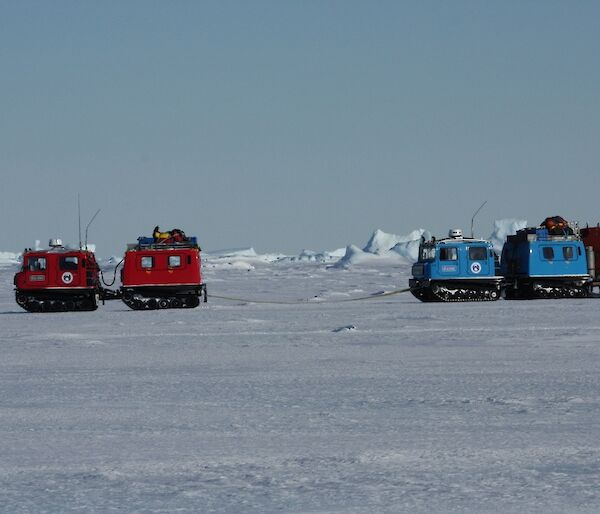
79,218
88,226
473,218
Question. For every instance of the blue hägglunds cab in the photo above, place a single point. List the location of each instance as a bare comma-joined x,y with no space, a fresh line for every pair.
456,269
545,262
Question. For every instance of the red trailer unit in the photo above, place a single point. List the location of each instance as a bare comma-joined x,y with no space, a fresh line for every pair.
162,273
591,241
57,279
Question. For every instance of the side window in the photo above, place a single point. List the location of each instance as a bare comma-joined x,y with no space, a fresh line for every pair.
568,253
68,263
147,262
477,253
174,261
37,263
448,254
548,252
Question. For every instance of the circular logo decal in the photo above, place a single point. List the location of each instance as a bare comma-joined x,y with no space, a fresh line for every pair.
67,277
476,268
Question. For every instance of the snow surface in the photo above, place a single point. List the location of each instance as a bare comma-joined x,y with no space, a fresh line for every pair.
384,405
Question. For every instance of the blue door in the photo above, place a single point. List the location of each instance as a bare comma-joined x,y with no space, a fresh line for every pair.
478,262
448,261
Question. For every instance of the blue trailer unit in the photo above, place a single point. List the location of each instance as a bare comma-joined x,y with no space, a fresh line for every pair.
456,269
538,264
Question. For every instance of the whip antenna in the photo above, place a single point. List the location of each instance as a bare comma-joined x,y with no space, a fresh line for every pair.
79,218
88,226
473,218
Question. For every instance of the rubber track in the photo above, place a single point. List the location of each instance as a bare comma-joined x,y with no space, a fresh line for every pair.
153,303
469,295
33,304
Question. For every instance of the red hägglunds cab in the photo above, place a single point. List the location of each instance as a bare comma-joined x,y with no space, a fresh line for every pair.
57,279
162,272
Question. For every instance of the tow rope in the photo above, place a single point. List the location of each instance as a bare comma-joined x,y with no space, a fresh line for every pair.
114,274
312,300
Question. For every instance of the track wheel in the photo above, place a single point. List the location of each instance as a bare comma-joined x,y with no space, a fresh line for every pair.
176,303
163,303
34,306
192,301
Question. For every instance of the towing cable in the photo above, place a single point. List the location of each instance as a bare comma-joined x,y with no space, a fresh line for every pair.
312,300
114,274
372,296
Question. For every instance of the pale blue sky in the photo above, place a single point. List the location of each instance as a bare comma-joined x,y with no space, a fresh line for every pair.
288,125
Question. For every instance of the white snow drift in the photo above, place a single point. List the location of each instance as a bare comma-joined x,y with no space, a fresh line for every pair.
9,258
382,247
504,228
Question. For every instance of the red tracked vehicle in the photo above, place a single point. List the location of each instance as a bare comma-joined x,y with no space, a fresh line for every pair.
591,241
58,279
162,272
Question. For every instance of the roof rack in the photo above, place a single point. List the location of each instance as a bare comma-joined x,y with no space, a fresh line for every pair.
451,240
542,234
151,244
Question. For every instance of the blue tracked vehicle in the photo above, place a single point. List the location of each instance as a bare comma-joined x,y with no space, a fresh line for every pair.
456,269
545,262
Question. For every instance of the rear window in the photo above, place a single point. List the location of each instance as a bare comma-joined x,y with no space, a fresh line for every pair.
174,261
548,253
37,263
427,253
478,253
